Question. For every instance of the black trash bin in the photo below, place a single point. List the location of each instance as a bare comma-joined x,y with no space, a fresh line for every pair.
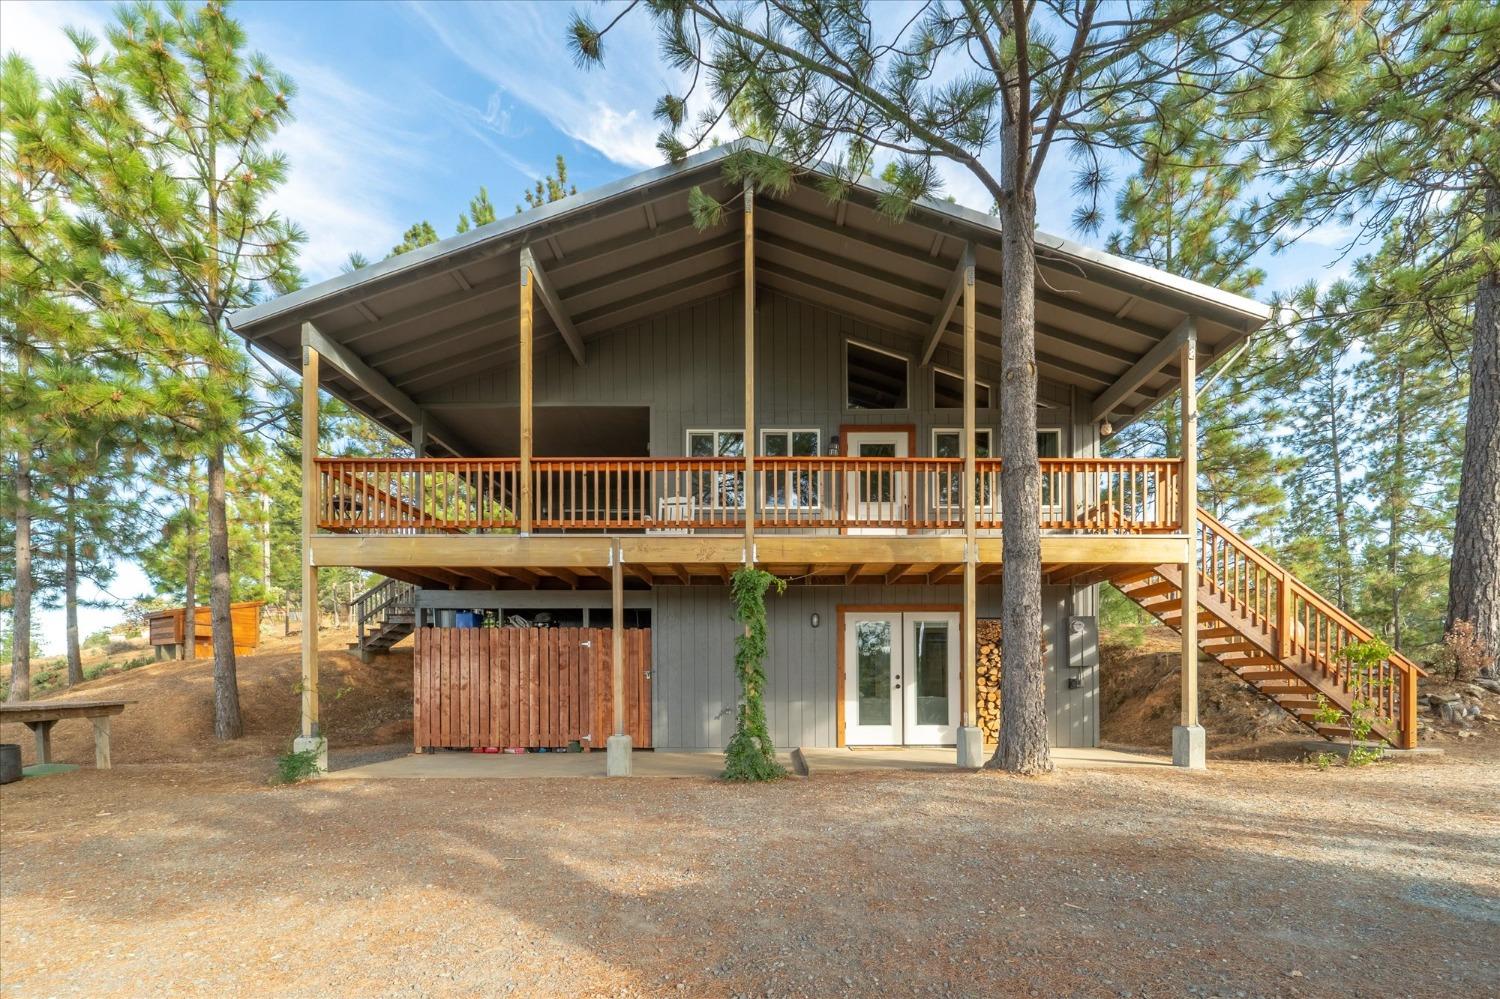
10,762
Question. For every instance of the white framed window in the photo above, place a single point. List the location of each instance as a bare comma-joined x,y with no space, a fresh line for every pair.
875,378
948,442
948,390
717,490
1049,445
793,488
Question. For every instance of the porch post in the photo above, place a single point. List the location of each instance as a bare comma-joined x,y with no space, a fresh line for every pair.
419,436
618,746
970,736
523,516
1188,742
750,441
310,738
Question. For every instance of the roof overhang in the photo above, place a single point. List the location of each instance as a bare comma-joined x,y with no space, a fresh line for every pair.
629,250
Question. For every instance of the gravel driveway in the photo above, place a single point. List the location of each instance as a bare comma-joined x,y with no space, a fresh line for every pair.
1254,879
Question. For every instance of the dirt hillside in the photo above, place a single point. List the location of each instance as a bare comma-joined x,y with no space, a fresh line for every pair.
172,719
1139,687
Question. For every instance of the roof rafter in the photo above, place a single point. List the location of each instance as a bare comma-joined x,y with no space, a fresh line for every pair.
1143,370
554,305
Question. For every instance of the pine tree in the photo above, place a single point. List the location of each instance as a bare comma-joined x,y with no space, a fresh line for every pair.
548,189
163,136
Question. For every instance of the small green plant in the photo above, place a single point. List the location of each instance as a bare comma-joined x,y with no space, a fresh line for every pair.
1361,662
294,767
1323,761
750,755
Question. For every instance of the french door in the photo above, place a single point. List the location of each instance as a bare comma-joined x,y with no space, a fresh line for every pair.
900,678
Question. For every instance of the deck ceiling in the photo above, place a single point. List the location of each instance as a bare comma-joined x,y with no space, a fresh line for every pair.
627,251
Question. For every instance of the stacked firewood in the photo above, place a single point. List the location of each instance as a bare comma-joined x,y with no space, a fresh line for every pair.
988,675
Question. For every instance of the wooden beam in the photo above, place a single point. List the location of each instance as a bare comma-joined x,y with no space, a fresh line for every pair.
310,364
1156,359
896,573
963,272
525,284
1188,504
749,424
969,687
553,304
617,638
378,386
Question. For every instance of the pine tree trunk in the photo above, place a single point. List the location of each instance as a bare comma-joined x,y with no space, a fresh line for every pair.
265,546
1023,744
20,652
227,723
1474,575
70,589
190,570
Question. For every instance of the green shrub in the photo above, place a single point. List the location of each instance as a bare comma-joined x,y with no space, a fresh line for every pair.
1360,661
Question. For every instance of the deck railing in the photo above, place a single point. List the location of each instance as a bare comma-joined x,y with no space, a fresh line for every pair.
688,495
1305,625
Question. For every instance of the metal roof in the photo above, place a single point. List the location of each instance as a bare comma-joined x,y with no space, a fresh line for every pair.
629,250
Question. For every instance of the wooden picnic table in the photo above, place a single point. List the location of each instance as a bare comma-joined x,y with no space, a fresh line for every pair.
40,716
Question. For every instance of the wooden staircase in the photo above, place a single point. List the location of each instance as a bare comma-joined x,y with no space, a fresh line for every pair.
386,615
1278,635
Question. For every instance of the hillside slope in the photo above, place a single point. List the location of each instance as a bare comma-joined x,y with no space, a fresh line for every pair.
172,719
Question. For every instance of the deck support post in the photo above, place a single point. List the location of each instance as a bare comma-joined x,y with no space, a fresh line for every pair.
750,440
970,736
523,516
1188,742
311,737
617,746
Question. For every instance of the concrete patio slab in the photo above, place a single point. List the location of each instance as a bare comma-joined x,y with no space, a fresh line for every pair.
944,758
504,766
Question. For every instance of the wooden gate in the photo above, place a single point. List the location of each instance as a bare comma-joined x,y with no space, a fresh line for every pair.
530,687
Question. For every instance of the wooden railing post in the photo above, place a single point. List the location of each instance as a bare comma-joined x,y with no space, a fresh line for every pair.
310,483
1408,708
523,515
748,488
1283,615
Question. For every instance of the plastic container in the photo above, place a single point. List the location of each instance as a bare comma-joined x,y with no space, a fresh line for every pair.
10,762
465,619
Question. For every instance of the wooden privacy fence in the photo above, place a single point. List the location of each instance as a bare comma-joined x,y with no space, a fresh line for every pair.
528,687
682,495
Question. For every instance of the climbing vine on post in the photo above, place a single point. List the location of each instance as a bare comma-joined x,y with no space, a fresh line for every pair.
750,755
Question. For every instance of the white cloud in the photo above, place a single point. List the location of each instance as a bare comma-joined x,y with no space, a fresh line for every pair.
523,50
35,30
348,155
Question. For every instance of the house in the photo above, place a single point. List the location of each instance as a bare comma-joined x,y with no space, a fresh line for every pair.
612,410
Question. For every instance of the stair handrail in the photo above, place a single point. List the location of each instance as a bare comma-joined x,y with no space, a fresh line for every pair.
1307,593
374,601
1290,588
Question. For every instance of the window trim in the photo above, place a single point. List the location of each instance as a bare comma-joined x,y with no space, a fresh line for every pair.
897,355
988,388
1055,432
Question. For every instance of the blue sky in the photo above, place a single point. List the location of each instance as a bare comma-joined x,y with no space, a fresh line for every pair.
405,109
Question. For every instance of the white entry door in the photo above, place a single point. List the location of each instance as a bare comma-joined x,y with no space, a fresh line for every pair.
876,494
900,678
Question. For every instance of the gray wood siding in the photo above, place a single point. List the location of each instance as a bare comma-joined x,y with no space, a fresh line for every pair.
688,365
696,692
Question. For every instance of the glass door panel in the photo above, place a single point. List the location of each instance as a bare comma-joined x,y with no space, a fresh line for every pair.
931,678
872,680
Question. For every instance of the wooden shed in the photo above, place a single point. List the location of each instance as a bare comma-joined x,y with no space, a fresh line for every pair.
167,629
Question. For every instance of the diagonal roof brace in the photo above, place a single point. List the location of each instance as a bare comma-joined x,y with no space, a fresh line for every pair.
950,302
554,305
377,385
1143,370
